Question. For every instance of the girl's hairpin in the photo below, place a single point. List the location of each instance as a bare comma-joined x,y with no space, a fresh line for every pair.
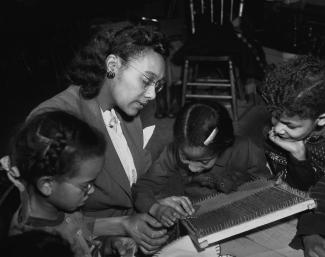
47,141
211,137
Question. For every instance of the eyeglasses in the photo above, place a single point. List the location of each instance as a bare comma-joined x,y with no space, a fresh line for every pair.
158,84
85,189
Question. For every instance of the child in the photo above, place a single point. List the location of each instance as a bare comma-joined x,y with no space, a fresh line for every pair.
205,157
295,94
56,158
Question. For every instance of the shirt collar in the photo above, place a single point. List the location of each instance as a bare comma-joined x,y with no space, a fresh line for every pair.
110,118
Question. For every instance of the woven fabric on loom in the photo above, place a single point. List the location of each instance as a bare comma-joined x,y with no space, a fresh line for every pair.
254,201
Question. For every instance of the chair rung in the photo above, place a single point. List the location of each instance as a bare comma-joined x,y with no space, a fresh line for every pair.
201,84
213,80
225,97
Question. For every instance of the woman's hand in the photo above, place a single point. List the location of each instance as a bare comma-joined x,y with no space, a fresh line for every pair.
181,204
295,148
146,231
314,246
123,246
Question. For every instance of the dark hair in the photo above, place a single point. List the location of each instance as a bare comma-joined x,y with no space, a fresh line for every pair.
52,143
88,68
196,121
36,243
296,87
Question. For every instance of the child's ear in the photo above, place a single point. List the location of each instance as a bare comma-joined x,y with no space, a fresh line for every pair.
321,120
45,185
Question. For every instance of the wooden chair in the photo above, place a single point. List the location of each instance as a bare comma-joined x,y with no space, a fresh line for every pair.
209,69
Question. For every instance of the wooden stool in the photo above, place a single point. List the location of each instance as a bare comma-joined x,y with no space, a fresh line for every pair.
218,81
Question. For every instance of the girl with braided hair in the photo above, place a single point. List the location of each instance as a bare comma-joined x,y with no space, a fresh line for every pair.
204,158
294,92
54,161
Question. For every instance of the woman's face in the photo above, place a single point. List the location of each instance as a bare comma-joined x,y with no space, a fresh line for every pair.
134,85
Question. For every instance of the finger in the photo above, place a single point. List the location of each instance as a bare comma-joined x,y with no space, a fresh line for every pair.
187,205
149,234
167,222
151,221
146,251
176,205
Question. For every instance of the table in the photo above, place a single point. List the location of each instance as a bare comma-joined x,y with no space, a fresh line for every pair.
268,241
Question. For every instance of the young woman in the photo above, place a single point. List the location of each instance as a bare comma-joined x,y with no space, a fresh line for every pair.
112,79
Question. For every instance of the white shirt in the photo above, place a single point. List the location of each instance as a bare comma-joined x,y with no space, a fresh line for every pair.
113,126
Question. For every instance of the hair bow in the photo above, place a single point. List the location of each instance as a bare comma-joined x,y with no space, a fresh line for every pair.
12,172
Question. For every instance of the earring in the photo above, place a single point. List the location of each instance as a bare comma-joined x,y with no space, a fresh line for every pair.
110,74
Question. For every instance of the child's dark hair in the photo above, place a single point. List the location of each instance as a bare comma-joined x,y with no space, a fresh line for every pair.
36,243
296,87
52,143
196,121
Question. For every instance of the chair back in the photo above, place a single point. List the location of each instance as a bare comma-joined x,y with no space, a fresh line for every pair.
213,12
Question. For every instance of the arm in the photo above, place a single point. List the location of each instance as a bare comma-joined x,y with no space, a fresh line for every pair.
149,185
257,162
146,231
301,173
311,226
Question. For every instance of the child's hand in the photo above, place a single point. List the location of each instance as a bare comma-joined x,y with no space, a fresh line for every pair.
314,246
295,148
181,204
122,246
204,180
166,215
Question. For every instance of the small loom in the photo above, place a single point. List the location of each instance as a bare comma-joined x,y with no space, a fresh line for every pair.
255,204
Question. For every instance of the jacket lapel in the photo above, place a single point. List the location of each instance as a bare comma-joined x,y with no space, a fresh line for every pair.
92,115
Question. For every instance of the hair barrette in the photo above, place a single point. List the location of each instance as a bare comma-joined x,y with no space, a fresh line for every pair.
12,172
211,137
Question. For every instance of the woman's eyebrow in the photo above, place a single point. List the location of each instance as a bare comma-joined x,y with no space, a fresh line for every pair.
150,73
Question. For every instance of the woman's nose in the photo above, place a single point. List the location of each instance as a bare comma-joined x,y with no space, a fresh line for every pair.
150,92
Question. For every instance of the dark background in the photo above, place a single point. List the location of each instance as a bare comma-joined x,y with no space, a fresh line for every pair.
39,37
